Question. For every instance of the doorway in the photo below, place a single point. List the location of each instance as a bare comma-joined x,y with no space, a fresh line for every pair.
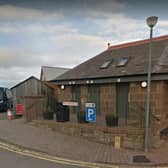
94,96
122,106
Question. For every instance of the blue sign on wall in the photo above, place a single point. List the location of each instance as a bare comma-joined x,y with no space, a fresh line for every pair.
90,113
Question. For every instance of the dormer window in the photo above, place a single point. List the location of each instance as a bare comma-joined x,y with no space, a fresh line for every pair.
105,64
123,61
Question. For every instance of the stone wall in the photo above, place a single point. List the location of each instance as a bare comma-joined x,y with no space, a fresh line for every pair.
159,108
64,94
165,106
107,99
137,105
132,138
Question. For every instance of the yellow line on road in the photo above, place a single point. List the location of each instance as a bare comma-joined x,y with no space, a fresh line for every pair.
47,157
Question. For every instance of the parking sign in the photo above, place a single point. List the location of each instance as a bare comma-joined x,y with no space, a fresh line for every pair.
90,112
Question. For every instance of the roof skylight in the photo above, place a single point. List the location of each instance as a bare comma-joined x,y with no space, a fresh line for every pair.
105,64
123,61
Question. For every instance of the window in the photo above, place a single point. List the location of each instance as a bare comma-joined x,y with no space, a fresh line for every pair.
123,61
105,64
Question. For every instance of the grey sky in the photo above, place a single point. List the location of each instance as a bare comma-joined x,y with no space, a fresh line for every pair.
66,33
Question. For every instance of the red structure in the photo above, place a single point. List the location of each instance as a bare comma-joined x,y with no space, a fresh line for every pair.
19,109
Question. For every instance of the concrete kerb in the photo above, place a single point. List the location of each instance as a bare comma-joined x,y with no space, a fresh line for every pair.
48,157
45,156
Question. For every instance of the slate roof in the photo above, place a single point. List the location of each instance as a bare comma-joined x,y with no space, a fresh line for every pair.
137,52
50,73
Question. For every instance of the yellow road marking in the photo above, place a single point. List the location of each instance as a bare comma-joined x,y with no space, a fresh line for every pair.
51,158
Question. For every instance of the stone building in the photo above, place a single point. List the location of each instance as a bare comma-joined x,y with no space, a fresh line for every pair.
115,81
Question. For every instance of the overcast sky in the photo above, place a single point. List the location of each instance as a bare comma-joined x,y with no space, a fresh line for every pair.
65,33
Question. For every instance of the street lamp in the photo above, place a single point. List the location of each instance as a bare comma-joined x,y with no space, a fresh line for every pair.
151,22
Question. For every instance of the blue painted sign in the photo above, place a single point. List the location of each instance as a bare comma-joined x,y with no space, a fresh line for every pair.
90,112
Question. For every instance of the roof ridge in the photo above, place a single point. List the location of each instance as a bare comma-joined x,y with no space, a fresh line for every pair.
139,42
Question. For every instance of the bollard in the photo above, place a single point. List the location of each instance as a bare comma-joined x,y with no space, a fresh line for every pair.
9,114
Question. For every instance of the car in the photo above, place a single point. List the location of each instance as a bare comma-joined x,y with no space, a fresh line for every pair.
5,99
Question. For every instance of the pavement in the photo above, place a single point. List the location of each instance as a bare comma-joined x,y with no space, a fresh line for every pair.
43,139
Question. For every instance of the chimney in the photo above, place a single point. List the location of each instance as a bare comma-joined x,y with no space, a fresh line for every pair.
108,44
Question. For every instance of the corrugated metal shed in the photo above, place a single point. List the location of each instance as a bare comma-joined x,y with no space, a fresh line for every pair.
50,73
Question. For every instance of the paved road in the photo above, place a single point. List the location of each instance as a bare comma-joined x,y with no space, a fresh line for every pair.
13,160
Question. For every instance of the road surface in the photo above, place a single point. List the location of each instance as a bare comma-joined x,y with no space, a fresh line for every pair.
9,159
